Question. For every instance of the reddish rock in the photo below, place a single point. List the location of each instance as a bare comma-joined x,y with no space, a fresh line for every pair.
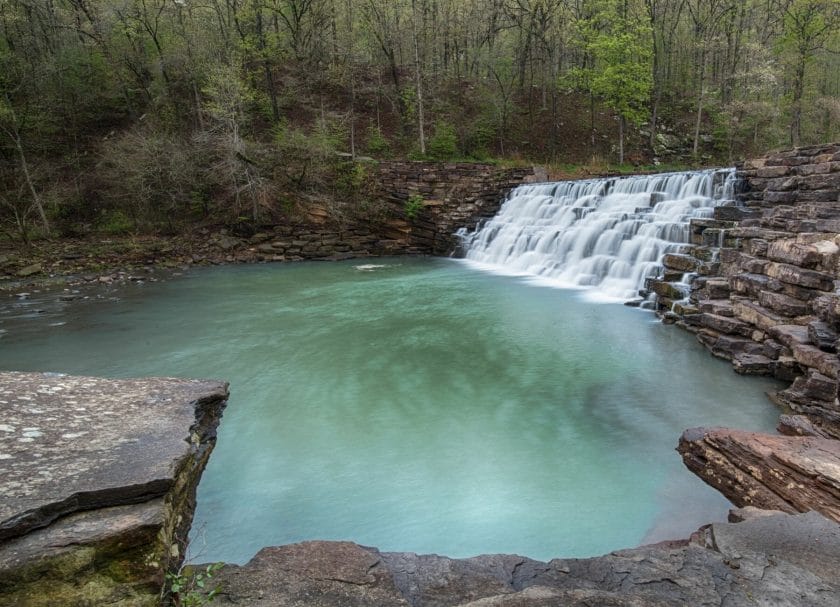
792,474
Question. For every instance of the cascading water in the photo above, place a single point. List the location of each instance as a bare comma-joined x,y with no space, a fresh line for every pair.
609,234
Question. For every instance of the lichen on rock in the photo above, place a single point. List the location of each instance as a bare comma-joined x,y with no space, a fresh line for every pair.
98,479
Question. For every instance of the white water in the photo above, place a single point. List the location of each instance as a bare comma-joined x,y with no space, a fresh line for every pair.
606,234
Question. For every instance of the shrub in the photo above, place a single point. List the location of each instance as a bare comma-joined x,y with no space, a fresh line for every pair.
377,145
443,144
413,206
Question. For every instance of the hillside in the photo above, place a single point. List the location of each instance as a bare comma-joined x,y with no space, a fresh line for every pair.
155,116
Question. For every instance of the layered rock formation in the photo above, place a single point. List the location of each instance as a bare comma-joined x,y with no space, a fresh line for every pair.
790,474
450,196
762,279
777,559
98,482
763,293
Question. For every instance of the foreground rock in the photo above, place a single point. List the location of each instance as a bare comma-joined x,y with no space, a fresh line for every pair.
777,559
98,481
787,473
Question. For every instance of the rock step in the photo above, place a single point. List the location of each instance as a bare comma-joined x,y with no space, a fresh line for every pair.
813,386
719,307
753,364
680,262
805,252
725,324
711,287
790,335
756,315
727,346
822,335
810,356
784,305
795,275
667,290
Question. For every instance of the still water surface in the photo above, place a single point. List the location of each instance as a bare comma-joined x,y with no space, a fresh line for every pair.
417,405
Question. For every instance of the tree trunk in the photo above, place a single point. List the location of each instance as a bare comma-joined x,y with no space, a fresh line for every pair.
418,77
796,107
700,93
36,199
621,139
696,146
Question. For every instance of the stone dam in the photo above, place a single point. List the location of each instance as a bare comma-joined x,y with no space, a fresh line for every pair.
98,476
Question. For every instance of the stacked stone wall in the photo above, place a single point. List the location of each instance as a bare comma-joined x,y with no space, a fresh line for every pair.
764,292
453,195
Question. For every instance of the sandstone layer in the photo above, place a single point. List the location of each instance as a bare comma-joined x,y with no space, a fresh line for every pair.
777,559
773,472
98,481
764,292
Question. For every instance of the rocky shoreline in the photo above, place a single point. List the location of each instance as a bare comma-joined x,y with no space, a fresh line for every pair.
758,286
769,558
763,295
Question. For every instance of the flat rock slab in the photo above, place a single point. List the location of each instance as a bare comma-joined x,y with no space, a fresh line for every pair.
69,444
774,472
779,559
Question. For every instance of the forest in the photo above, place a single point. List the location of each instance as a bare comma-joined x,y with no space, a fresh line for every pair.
122,116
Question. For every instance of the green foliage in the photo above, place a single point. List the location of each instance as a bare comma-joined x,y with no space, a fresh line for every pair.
190,588
166,113
620,47
377,145
351,178
443,144
413,206
115,223
228,96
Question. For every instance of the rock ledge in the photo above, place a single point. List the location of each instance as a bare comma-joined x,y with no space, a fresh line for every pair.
98,480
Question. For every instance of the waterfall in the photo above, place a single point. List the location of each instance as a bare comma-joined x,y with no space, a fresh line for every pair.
608,234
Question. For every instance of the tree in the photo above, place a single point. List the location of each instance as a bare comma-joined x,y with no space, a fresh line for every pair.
618,41
228,100
11,125
808,25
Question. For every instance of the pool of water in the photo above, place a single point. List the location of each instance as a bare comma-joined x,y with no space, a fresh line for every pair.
414,405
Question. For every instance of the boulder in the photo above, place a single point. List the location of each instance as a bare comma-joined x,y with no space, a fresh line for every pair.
791,474
98,484
30,270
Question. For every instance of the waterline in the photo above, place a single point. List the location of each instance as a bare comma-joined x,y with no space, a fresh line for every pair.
422,406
